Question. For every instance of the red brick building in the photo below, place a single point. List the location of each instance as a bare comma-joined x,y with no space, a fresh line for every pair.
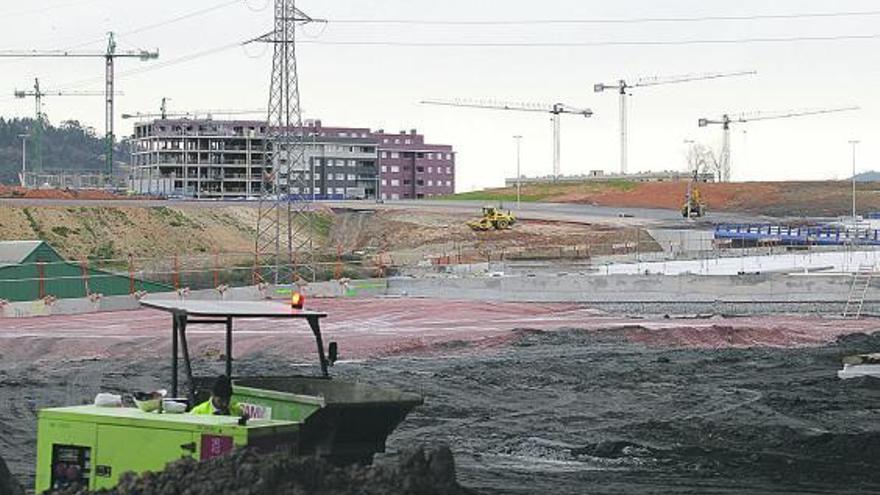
411,169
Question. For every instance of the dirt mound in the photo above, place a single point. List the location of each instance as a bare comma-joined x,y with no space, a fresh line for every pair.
417,471
8,484
819,198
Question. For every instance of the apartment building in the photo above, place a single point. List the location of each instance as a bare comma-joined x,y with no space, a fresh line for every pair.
224,159
411,169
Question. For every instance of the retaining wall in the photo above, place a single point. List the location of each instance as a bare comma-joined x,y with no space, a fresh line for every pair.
635,288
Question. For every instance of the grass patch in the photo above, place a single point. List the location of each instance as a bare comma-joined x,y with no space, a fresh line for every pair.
62,231
321,223
35,226
545,191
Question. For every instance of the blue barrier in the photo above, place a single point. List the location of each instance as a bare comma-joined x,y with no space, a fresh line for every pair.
824,235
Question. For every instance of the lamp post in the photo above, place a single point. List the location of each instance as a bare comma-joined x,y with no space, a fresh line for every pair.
24,138
518,139
854,143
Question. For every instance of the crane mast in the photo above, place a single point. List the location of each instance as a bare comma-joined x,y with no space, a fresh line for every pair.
40,117
622,87
556,110
726,120
109,55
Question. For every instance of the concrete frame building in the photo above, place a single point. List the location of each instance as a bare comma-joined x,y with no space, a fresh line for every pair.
224,159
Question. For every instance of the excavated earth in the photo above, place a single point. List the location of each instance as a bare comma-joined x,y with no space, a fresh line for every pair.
567,411
417,472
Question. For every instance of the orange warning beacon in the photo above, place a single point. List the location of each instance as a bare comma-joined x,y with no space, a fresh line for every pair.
297,300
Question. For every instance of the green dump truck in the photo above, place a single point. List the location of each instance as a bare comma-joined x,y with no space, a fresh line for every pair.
341,421
93,446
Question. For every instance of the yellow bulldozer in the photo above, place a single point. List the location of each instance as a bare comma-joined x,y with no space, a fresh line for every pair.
493,218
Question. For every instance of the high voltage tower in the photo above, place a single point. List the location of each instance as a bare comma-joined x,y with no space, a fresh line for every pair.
283,243
109,56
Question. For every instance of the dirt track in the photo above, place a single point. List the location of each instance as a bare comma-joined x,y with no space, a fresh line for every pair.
692,409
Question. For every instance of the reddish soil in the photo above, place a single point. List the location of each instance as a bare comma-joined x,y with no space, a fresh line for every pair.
369,328
825,198
86,194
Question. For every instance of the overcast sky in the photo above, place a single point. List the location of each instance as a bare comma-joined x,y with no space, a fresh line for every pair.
381,86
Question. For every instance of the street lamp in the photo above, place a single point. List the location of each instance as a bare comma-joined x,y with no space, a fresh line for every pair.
24,138
518,173
854,143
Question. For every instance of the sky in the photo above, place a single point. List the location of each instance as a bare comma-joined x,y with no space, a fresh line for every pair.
381,86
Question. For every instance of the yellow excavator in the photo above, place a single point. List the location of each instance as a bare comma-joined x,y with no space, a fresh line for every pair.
693,204
493,218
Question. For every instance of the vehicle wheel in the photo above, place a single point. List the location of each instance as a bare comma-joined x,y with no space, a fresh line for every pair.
502,224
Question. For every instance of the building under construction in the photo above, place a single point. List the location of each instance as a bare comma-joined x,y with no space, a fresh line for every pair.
207,158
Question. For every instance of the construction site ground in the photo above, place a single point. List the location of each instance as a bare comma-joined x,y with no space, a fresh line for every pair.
407,235
533,398
777,199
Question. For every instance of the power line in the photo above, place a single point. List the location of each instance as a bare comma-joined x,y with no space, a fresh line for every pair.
182,17
634,20
162,65
562,44
160,24
42,10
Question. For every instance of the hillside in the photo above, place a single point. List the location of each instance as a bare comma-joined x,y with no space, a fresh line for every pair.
68,146
819,198
404,236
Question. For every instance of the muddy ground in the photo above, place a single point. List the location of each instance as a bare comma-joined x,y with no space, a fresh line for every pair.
573,411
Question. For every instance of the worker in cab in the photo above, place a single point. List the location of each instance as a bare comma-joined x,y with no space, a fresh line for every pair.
220,403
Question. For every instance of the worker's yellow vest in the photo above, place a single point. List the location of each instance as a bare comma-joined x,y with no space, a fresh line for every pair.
208,408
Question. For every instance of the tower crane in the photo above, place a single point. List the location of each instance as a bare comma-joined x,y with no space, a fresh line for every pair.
556,110
726,120
38,94
109,56
194,114
622,87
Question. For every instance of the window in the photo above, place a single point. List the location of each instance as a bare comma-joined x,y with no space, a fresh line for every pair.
395,196
352,163
430,170
406,182
449,183
340,190
449,156
395,169
384,169
430,156
395,154
420,169
420,182
352,177
340,176
384,196
385,140
384,183
340,163
448,170
407,141
396,141
395,182
342,134
384,154
430,183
